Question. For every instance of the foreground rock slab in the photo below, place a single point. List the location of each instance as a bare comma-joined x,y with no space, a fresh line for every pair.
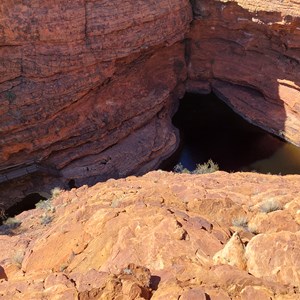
160,236
88,88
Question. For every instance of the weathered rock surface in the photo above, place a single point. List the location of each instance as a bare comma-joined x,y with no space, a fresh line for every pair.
146,237
277,258
89,87
232,254
249,53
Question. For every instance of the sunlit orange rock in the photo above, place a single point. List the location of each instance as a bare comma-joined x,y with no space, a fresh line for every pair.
137,237
88,88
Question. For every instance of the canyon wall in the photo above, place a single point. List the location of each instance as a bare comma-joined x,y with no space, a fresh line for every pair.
88,88
247,52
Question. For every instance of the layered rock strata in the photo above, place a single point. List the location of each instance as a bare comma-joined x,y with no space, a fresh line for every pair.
160,236
88,88
248,52
87,79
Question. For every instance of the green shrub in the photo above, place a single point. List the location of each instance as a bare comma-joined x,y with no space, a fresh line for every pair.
208,167
12,223
55,192
44,204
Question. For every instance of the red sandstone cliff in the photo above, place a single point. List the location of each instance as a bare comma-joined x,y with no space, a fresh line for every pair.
89,87
249,53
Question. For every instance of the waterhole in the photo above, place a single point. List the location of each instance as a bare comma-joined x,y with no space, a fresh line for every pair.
209,129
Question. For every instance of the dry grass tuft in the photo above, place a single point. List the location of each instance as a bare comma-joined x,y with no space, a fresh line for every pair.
270,205
240,222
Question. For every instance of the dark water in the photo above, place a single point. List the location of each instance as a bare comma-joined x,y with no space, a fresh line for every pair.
211,130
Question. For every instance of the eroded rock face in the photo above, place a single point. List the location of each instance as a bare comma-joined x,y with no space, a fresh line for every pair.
73,81
88,88
249,53
143,237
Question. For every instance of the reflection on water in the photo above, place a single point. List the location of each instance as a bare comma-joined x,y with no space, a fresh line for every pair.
286,160
210,129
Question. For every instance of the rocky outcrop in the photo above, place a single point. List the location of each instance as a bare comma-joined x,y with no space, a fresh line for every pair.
77,84
233,253
248,52
156,237
88,88
277,257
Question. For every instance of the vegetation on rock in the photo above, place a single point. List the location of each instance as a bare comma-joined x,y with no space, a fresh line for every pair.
205,168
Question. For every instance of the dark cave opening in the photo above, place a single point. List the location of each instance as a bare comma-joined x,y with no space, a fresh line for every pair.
71,184
209,129
26,203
